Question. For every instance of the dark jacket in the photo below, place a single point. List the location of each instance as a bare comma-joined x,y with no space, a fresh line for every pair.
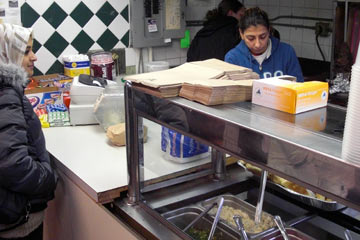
282,61
26,176
214,40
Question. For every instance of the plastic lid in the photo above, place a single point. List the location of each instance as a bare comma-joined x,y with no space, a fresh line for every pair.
101,58
156,66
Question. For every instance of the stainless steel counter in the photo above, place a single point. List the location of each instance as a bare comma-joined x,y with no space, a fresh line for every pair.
304,148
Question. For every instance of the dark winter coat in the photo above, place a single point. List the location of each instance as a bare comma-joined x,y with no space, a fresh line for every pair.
214,40
26,177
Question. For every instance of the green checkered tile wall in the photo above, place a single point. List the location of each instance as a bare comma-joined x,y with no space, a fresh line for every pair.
74,26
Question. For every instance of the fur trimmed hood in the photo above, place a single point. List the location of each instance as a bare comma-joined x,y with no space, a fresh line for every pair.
12,75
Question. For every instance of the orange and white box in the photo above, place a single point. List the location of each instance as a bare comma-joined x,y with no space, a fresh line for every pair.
289,96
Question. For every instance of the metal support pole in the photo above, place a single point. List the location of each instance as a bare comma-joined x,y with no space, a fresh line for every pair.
346,19
260,200
218,163
132,146
332,59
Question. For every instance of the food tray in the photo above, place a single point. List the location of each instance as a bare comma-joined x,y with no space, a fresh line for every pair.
235,202
183,216
308,200
293,234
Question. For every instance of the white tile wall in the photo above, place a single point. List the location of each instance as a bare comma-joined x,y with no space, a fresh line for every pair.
46,30
285,33
262,2
159,53
93,25
273,11
183,60
325,4
303,40
325,13
66,32
196,13
274,3
298,3
68,5
297,46
297,11
295,35
308,50
40,6
325,49
311,3
285,3
131,56
173,51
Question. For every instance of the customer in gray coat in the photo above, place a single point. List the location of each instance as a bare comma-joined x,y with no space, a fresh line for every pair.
27,180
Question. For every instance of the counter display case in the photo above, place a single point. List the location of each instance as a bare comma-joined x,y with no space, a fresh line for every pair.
304,149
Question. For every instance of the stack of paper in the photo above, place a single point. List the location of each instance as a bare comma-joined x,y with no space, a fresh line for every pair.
167,83
242,76
209,82
227,68
216,91
231,71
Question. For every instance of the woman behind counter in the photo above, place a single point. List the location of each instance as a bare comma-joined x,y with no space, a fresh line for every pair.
27,180
219,34
261,52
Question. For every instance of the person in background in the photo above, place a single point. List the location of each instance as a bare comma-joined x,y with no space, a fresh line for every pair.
264,54
219,34
27,181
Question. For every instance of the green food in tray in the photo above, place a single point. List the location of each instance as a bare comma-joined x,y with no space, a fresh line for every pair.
198,234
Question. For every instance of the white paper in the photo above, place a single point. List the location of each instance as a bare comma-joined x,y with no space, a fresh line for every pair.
173,14
10,11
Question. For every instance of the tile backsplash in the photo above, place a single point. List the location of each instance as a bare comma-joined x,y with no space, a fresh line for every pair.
74,26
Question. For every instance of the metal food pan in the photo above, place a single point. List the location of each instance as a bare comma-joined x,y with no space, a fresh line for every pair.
237,203
308,200
293,234
183,216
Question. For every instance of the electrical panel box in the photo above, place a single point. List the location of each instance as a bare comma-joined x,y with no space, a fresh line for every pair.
153,22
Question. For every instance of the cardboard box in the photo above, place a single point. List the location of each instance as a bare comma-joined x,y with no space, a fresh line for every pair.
40,100
49,83
288,96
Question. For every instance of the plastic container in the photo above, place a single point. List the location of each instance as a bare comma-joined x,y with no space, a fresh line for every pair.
102,65
156,66
109,107
181,149
74,65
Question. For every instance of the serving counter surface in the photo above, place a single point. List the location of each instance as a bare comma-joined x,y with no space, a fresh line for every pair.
86,156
